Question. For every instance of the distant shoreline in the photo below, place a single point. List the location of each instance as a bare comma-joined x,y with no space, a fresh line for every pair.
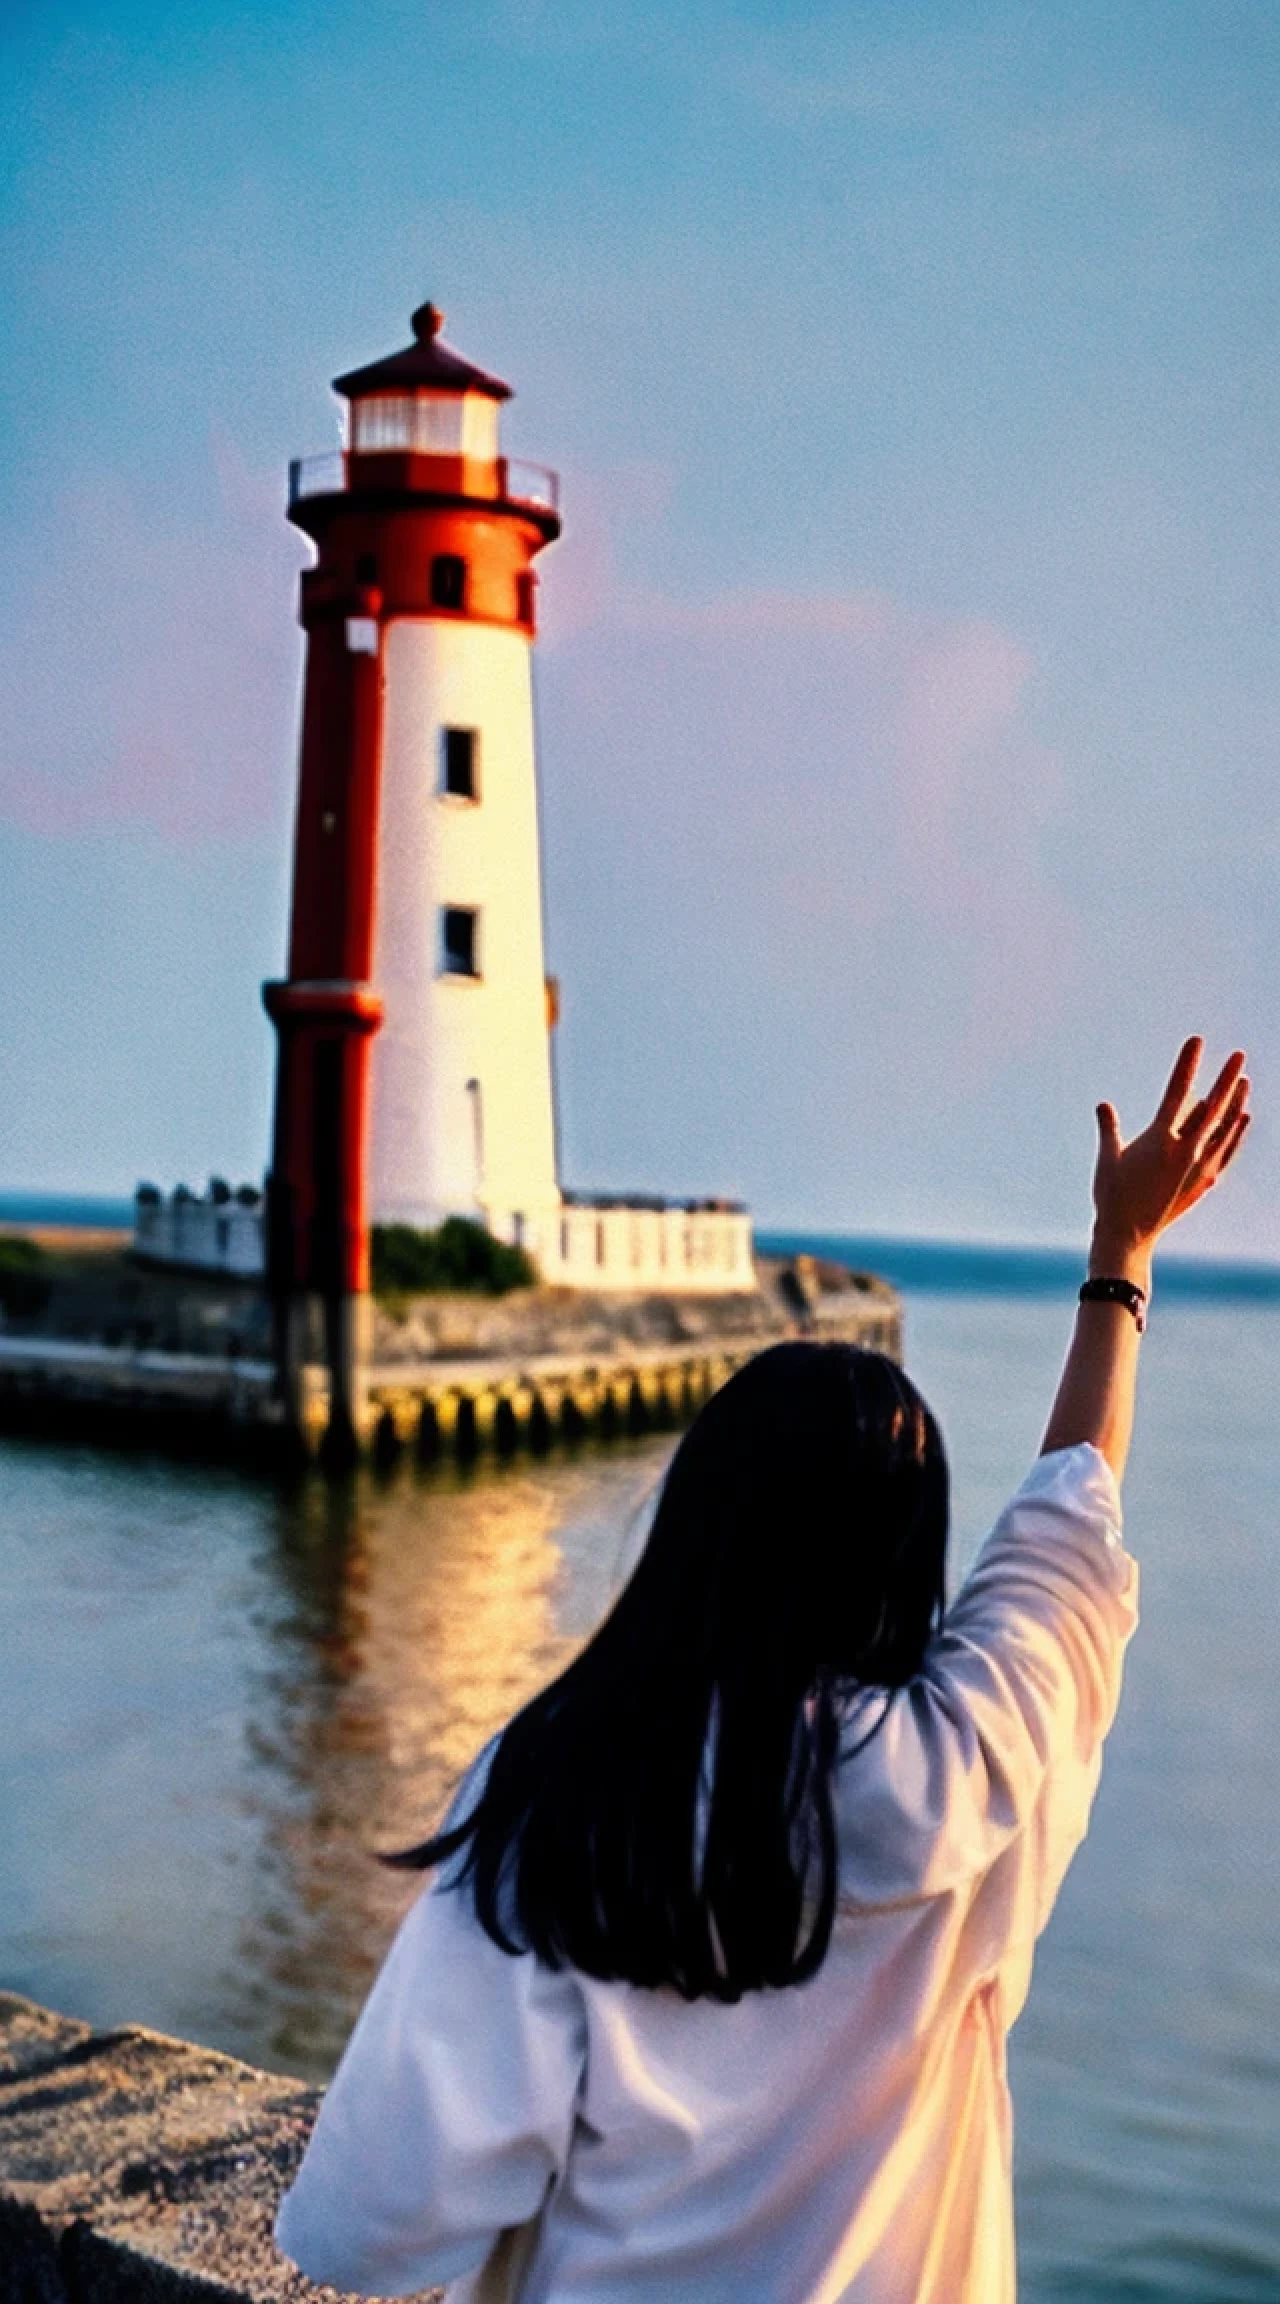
922,1267
65,1211
954,1268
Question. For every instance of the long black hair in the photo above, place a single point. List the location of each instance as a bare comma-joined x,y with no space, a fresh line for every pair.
663,1811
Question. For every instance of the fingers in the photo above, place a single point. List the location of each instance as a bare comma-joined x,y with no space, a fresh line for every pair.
1208,1119
1234,1141
1178,1086
1109,1142
1219,1151
1232,1111
1225,1138
1223,1098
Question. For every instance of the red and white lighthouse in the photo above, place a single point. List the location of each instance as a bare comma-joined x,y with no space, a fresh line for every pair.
414,1074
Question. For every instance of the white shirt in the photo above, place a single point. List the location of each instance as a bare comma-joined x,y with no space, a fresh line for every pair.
522,2133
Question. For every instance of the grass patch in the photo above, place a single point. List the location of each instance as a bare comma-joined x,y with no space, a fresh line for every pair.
25,1276
457,1256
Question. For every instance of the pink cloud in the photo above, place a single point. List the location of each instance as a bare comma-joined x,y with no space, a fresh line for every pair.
150,665
978,794
764,757
833,771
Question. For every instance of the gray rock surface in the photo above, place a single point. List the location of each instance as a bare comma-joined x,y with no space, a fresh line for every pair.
140,2170
799,1292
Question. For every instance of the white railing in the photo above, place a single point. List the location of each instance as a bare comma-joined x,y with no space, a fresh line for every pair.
317,475
640,1246
614,1245
201,1235
517,482
532,484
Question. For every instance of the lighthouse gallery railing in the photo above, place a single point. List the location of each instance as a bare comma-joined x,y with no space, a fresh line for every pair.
516,481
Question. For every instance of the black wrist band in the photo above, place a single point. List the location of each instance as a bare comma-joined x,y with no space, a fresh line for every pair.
1126,1292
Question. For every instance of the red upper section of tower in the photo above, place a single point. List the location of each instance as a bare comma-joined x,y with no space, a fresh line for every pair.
426,365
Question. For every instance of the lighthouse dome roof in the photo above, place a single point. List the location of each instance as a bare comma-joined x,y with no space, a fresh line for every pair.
426,365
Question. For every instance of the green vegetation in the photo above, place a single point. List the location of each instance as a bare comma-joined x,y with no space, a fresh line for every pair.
24,1276
459,1255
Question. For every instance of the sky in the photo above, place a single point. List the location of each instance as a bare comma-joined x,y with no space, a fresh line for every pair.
908,688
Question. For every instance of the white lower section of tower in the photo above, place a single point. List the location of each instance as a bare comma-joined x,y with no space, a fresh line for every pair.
461,1119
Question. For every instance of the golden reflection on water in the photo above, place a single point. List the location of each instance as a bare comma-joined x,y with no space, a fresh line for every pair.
424,1611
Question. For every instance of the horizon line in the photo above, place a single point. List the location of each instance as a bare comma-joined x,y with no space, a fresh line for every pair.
964,1243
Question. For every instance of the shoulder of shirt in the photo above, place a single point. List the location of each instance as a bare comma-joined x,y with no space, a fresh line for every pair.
1079,1482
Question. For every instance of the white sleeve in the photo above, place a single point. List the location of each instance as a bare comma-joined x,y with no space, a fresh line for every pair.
999,1739
450,2113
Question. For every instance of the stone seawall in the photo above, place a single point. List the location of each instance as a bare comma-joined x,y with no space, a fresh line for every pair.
124,1356
140,2170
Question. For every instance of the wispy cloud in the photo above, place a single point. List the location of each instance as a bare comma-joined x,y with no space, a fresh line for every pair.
149,663
770,754
815,771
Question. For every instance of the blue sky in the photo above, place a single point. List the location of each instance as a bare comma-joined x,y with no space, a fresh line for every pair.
908,686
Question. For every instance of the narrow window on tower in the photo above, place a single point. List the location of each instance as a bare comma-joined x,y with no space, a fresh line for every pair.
448,581
459,941
526,597
459,763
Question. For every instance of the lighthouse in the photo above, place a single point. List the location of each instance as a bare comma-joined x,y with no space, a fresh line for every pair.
413,1069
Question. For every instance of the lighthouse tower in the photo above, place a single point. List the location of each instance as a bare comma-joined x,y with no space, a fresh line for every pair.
414,1073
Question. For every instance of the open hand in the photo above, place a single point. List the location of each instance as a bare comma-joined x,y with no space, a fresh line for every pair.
1142,1187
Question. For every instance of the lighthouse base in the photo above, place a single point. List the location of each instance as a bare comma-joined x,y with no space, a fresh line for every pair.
324,1347
125,1356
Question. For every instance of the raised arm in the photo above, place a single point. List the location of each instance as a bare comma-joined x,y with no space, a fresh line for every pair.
1139,1190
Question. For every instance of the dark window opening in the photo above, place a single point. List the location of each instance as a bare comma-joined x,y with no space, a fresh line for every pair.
526,596
459,943
458,763
367,568
448,581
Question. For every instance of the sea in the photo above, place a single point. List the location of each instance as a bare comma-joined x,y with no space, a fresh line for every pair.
221,1697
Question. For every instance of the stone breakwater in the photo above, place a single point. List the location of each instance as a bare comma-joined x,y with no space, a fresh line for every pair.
139,2170
122,1353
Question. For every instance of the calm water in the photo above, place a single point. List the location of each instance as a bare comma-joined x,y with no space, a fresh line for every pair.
216,1699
